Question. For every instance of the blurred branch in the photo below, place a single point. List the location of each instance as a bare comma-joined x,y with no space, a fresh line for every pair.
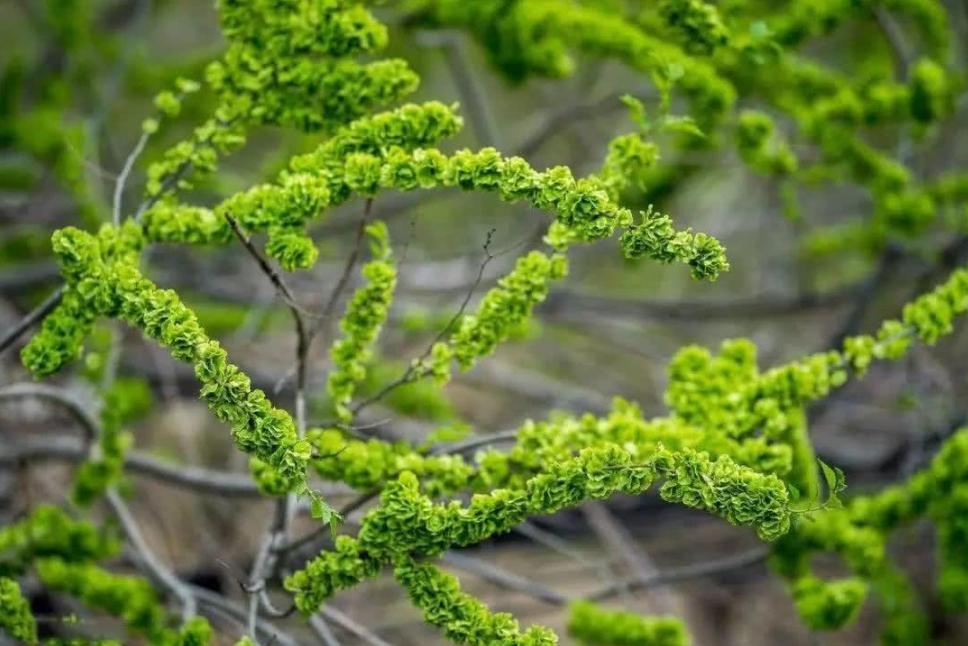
92,428
205,481
865,296
24,276
232,609
322,630
345,622
59,396
467,82
616,538
537,386
504,579
895,39
565,304
712,567
155,568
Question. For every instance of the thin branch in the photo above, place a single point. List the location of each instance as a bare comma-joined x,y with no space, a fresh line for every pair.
554,542
156,569
266,563
471,94
417,368
506,580
342,620
215,600
205,481
166,185
616,538
473,443
895,38
123,177
344,279
171,181
31,319
712,567
257,582
24,276
319,532
93,430
567,304
864,298
324,320
264,265
322,630
58,396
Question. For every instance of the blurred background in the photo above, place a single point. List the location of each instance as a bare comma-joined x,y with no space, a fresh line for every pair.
608,330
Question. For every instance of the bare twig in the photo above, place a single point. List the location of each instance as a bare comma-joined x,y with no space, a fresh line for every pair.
166,185
324,320
123,177
92,429
344,279
712,567
471,94
616,539
319,532
506,580
555,542
470,444
265,266
205,481
58,396
31,319
417,368
266,563
231,609
257,581
172,180
155,568
342,620
895,38
566,304
864,298
322,630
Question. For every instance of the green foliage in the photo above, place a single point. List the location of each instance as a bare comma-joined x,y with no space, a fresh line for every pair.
103,279
698,23
656,238
50,533
15,616
592,624
501,311
735,441
528,38
312,183
859,532
463,619
827,605
418,399
759,146
369,465
131,599
408,522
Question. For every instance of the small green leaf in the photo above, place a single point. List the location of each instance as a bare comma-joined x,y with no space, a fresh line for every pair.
683,125
637,112
835,481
